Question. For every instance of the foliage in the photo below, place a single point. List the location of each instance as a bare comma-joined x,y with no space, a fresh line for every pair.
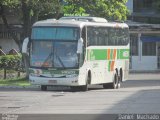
32,10
10,62
14,82
110,9
74,7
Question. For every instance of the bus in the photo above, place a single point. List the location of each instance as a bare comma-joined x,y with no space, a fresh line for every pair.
78,52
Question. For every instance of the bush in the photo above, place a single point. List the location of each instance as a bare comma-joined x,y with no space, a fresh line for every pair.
11,62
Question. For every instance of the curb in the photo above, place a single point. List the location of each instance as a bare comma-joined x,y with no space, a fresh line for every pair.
145,72
20,87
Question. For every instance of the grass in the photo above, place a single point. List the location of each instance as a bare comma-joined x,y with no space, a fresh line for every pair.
15,82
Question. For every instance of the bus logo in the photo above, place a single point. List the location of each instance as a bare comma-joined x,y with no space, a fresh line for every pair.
125,54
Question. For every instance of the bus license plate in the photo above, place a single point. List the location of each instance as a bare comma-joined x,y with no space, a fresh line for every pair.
53,81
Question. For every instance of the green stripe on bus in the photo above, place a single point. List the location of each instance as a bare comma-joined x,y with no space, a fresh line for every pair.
101,54
97,54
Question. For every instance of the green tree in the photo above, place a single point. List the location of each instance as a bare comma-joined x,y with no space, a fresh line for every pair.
29,11
73,7
110,9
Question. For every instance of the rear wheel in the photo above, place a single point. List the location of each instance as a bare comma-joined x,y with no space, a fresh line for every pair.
43,87
115,82
119,82
114,85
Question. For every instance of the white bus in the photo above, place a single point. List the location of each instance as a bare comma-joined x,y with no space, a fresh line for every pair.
77,52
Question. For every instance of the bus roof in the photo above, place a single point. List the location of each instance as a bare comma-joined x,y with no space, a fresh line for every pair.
85,19
77,23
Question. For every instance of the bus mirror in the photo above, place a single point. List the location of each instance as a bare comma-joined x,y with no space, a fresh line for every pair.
80,45
24,45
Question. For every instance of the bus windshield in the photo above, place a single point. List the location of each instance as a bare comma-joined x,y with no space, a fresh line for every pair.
54,47
55,33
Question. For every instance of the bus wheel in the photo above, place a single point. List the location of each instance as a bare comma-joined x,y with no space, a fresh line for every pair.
43,87
121,75
88,81
119,82
115,82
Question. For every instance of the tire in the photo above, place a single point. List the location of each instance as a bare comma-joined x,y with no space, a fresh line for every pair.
121,76
119,82
85,87
115,82
114,85
81,88
43,87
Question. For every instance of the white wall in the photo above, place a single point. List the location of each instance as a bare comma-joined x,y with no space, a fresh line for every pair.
144,63
8,44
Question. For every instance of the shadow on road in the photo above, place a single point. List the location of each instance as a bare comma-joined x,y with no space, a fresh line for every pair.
135,81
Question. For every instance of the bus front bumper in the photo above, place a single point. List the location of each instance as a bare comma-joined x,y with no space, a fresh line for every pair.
54,81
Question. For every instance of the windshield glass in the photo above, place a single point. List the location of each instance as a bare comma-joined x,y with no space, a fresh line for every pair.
41,54
56,33
65,54
57,55
54,52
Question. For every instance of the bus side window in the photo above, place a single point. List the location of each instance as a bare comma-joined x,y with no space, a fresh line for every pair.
84,35
105,36
90,36
111,36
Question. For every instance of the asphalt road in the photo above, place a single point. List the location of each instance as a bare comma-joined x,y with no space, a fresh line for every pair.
140,94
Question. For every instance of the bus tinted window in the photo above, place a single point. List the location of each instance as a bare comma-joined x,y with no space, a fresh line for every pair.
102,36
58,33
118,36
97,36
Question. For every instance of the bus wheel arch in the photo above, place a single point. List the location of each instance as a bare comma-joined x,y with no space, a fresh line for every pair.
87,81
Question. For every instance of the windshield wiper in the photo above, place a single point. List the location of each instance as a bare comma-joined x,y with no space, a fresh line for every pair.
59,59
49,56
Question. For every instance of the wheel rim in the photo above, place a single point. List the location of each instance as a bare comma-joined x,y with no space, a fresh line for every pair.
119,84
115,82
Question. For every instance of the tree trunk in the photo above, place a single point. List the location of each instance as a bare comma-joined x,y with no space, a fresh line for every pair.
26,19
26,32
